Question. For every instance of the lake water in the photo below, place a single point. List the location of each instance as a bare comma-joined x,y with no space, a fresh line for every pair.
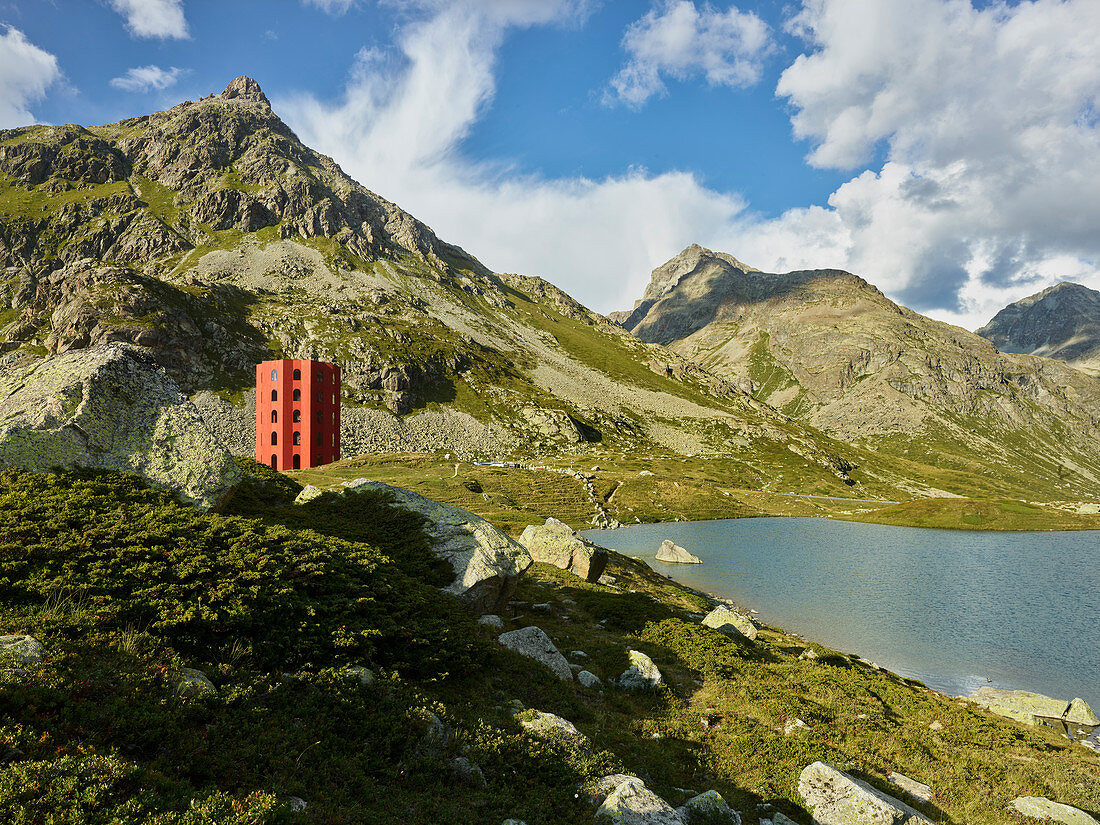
948,607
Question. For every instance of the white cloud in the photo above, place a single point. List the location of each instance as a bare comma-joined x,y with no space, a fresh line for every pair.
153,18
333,7
988,122
986,118
26,72
678,40
147,78
398,131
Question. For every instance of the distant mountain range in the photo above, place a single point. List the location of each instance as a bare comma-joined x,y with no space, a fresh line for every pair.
1062,321
829,349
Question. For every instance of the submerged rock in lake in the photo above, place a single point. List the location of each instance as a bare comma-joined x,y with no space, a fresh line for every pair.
675,554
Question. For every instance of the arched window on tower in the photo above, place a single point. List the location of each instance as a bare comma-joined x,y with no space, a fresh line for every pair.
297,438
274,439
274,462
297,416
297,375
274,417
297,462
297,395
274,395
274,375
320,417
320,396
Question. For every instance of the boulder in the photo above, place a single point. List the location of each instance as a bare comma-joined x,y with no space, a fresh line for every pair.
487,564
1039,807
730,622
309,492
531,641
708,807
588,679
296,804
551,726
111,408
1079,713
836,798
25,650
642,673
630,802
193,683
1031,708
675,554
467,773
915,789
362,675
558,544
491,620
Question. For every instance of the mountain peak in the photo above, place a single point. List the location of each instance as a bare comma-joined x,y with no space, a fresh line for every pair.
246,88
1062,322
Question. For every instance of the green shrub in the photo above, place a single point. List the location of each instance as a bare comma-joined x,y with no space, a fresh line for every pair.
199,582
701,648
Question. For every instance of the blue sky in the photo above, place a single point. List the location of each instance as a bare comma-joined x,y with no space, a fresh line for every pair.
944,150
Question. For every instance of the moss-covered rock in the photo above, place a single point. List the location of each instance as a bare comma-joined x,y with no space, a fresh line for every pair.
110,408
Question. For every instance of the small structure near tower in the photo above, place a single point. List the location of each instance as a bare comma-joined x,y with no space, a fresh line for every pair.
297,414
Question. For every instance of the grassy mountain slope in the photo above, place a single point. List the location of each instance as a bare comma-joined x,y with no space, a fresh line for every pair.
829,349
274,602
209,234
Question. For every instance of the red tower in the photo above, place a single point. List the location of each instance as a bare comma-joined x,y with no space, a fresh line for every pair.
297,414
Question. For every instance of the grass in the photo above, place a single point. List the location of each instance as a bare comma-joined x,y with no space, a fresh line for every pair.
273,601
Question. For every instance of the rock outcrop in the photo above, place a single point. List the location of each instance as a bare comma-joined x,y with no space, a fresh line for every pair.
20,649
110,408
642,673
730,622
533,642
558,544
835,798
487,564
552,726
1031,708
1061,322
675,554
1039,807
630,802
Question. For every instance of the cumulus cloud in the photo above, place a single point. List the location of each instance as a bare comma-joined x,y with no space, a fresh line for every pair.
676,39
153,18
26,72
147,79
987,119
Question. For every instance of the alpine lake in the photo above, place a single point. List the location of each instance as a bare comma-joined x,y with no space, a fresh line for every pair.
954,609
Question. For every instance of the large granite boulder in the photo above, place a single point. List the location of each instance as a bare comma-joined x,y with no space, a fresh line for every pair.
1030,708
487,564
111,408
1039,807
534,643
836,798
630,802
675,554
730,623
22,649
558,544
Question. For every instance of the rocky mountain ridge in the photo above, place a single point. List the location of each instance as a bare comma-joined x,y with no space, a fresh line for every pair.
1061,322
211,236
831,350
